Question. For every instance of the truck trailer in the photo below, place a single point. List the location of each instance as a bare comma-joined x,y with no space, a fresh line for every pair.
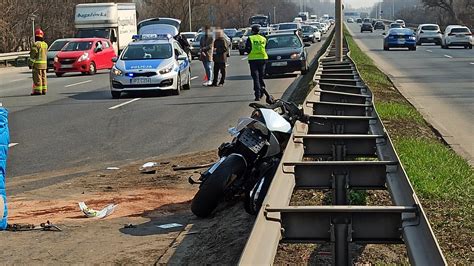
115,22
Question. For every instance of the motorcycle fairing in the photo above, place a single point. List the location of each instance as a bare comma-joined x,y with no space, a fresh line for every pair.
275,122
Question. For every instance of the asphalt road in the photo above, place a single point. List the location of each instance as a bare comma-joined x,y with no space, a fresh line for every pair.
439,82
77,124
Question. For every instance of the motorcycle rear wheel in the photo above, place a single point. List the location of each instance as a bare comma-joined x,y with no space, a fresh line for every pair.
213,188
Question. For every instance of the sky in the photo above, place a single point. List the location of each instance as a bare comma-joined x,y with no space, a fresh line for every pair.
361,3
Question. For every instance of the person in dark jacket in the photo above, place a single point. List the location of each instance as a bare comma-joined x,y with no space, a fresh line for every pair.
206,45
183,42
221,50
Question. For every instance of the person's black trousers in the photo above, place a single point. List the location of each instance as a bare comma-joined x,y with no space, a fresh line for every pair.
257,70
218,67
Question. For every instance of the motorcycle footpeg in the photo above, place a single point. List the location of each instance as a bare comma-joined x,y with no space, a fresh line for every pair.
192,181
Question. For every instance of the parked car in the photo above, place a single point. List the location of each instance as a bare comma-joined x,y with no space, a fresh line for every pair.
310,34
190,36
286,54
366,27
400,38
153,63
231,32
236,40
195,47
350,20
428,33
456,35
243,41
379,25
54,49
85,56
395,26
401,22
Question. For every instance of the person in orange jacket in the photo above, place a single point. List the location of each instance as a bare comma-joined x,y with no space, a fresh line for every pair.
38,64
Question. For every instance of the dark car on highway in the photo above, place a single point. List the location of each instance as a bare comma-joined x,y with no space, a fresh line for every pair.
399,38
379,25
366,27
286,54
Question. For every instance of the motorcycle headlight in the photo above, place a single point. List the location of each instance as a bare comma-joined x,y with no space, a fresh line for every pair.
117,72
295,56
83,57
166,70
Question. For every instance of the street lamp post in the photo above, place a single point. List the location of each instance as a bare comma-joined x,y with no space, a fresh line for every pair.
274,15
339,30
190,17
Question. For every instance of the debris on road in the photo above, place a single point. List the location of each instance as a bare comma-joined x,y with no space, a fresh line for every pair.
90,213
168,226
112,168
149,168
48,226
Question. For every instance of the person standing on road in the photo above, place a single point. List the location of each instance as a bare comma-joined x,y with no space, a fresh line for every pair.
257,58
38,64
206,45
221,50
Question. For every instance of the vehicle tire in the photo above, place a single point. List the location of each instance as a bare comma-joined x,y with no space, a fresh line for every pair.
418,43
178,86
188,85
319,40
59,74
413,48
305,70
213,188
92,69
116,94
241,52
386,48
470,46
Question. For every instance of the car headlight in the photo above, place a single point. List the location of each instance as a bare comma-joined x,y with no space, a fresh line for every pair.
56,59
117,72
166,70
412,37
295,56
83,57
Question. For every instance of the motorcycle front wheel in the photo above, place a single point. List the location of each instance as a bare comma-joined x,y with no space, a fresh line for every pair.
213,188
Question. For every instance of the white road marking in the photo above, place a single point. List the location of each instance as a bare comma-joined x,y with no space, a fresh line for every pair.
448,56
15,80
429,51
12,144
78,83
195,77
244,58
125,103
472,63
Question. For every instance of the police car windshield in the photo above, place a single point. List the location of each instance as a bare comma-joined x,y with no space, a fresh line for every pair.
147,51
78,46
283,41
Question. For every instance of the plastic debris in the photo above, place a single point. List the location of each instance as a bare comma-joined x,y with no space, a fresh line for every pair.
112,168
149,168
90,213
168,226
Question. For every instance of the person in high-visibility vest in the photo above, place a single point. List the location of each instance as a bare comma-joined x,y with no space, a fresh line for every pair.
38,63
257,58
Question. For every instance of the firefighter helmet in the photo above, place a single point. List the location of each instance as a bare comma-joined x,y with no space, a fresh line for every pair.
39,33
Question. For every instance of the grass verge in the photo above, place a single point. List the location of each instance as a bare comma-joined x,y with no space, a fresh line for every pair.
443,180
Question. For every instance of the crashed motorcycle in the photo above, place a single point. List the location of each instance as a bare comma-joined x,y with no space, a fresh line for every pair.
248,163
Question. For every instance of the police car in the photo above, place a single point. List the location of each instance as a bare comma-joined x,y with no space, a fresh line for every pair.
151,62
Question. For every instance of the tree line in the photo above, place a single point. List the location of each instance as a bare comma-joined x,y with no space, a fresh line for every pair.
56,17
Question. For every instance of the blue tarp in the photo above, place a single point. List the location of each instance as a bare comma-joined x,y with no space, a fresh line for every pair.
4,141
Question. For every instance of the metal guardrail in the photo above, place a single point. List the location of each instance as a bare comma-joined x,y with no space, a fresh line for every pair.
343,147
15,57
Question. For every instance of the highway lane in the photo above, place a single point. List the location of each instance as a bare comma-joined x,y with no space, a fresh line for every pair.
77,124
439,82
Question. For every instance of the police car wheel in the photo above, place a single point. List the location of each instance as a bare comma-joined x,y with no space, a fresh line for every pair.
187,86
178,86
116,94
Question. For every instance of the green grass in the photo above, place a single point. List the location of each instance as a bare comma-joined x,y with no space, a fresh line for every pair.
399,111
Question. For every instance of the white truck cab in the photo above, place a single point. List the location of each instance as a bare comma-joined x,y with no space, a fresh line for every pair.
116,22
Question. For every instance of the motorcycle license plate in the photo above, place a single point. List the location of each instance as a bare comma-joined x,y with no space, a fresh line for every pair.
139,81
252,140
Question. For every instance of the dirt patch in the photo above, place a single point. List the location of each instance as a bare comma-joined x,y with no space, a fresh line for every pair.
408,127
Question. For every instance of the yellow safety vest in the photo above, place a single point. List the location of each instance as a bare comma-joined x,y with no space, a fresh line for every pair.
38,55
258,47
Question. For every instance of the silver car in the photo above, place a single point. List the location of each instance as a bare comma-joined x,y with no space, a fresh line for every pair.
151,63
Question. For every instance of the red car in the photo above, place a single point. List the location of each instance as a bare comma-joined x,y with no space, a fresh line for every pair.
84,55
